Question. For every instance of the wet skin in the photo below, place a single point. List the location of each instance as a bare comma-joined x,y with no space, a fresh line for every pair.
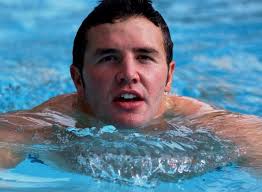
125,58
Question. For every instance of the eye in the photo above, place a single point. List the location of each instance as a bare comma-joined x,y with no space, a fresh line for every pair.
145,58
108,59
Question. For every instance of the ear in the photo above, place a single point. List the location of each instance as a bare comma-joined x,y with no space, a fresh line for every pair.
170,76
76,77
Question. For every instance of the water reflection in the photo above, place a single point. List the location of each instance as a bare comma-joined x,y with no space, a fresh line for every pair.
134,156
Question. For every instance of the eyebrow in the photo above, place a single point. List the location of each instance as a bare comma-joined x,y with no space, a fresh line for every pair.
146,50
104,51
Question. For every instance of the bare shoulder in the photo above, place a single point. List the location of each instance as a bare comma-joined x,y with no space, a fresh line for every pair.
188,106
62,103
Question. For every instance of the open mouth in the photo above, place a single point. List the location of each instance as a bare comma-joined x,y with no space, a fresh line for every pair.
129,101
128,97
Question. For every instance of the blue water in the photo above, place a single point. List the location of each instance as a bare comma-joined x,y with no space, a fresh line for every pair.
218,51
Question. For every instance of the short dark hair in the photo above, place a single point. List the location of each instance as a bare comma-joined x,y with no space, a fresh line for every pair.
108,11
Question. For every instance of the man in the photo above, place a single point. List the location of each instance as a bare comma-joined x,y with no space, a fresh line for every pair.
122,69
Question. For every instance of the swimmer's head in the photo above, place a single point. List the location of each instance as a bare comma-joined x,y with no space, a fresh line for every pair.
110,11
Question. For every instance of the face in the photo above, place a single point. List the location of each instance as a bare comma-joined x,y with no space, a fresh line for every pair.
125,72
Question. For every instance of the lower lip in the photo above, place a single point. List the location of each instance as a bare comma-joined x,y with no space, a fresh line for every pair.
131,105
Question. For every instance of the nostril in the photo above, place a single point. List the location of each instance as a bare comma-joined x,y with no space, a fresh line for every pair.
120,78
123,78
134,80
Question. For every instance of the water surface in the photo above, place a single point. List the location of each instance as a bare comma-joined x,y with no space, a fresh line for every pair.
219,60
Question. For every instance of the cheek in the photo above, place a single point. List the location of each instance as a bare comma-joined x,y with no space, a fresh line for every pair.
97,83
156,81
93,77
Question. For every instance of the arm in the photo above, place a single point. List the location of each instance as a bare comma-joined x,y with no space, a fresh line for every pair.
9,158
8,134
243,130
16,129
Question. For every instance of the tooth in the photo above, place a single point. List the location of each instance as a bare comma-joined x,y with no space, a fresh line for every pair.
128,96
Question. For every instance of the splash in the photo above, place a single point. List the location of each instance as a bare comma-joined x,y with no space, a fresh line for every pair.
144,159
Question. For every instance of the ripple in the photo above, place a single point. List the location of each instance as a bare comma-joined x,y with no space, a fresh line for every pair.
145,159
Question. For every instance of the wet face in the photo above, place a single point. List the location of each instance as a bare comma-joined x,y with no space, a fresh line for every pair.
125,72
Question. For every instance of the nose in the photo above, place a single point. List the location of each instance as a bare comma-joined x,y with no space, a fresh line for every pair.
127,73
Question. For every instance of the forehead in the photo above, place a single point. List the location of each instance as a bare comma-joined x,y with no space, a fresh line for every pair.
125,33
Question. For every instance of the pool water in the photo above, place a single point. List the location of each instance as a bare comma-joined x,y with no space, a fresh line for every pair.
219,60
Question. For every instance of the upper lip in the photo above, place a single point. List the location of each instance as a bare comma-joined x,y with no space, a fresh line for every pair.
134,92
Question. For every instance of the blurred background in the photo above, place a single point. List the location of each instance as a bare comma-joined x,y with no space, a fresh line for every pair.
217,48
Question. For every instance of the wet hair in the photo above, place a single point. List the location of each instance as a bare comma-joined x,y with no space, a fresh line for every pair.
110,11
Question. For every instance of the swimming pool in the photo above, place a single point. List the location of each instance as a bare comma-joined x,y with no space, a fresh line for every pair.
218,54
